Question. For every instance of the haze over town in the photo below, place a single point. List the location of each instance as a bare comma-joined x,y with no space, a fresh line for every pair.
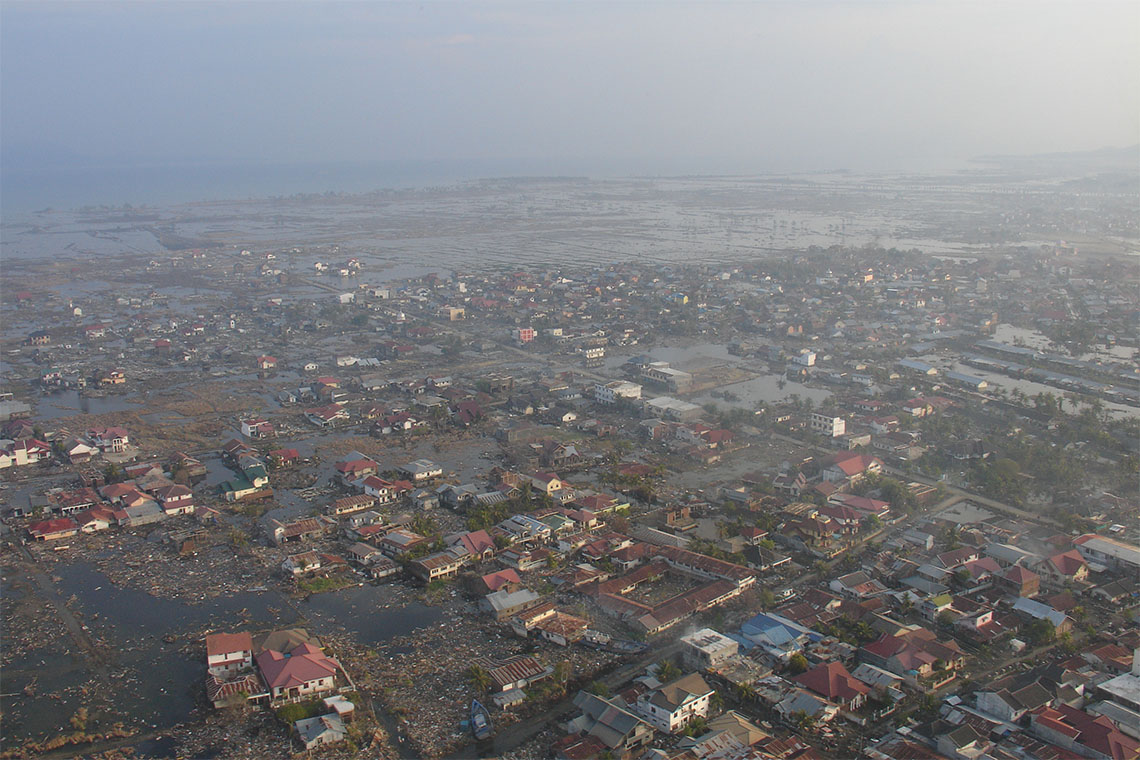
652,381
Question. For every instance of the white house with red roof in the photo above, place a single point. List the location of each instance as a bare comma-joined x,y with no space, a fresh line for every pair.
228,653
299,674
1064,567
328,415
23,452
96,519
849,466
175,500
255,427
384,491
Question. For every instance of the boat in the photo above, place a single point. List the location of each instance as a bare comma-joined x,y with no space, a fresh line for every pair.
626,646
480,720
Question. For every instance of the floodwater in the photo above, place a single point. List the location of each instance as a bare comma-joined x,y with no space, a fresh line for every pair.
71,403
1033,339
368,612
764,390
160,682
1031,388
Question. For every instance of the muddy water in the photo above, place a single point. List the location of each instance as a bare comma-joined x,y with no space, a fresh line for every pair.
158,684
70,403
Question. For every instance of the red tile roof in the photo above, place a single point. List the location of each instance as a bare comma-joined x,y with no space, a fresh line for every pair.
831,680
304,664
225,643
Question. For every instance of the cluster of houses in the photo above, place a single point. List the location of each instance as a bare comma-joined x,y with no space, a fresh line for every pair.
147,495
1082,706
21,447
276,669
251,475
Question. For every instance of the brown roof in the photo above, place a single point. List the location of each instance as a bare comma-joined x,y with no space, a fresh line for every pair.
225,643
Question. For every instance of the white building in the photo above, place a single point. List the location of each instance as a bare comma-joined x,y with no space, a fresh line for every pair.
708,649
828,425
671,707
228,653
609,393
1108,552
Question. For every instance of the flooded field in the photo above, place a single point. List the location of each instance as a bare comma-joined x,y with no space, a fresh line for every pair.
153,655
71,403
502,223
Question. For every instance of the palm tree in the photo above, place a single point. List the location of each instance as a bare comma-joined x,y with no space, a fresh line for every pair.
667,670
562,673
479,678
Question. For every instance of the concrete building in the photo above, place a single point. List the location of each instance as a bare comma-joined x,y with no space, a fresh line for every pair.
826,424
707,649
609,393
1108,552
673,706
661,373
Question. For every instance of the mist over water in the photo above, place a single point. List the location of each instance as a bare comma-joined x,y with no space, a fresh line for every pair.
27,187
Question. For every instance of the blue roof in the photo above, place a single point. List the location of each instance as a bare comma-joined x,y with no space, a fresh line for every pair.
1038,610
776,629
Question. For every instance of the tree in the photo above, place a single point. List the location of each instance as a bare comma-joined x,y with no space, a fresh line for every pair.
1001,480
479,678
906,605
113,473
1040,632
598,688
797,664
802,721
698,726
1066,644
238,538
667,671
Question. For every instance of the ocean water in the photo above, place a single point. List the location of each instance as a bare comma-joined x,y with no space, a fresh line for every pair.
27,186
24,189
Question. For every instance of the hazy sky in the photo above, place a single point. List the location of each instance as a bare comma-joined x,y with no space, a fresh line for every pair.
803,84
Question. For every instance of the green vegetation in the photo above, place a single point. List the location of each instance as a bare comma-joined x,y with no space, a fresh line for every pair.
320,585
290,714
1040,632
479,678
698,726
667,670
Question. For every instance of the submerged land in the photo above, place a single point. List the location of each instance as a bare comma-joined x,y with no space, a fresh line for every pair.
737,467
